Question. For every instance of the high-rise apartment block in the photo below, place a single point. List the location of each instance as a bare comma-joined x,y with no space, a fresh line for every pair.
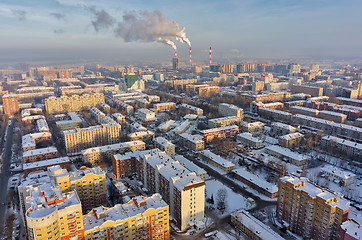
310,210
74,103
10,103
140,218
81,138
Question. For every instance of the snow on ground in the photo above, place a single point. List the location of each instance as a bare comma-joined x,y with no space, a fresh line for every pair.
222,172
234,201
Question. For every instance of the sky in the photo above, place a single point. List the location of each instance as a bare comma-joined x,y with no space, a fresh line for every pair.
138,30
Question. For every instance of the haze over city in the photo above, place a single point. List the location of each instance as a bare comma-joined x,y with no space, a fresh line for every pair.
60,31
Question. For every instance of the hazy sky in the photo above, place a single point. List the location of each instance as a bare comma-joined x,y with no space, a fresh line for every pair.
82,30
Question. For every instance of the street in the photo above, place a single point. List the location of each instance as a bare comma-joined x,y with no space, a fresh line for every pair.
5,173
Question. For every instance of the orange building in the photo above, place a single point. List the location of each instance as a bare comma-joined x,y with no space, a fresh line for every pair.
10,103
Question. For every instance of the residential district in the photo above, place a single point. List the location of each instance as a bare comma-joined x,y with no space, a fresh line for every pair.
251,151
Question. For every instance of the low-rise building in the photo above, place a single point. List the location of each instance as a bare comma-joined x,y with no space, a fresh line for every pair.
253,127
30,140
280,129
140,218
333,116
256,182
335,174
274,114
189,109
74,122
252,227
166,126
347,147
247,139
146,115
142,135
226,109
304,110
40,154
63,162
165,145
192,142
216,160
42,125
290,140
224,121
350,230
164,107
119,118
182,127
286,154
221,133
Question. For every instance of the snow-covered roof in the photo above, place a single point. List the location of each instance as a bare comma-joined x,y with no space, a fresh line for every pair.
190,107
113,147
192,138
253,124
313,119
229,118
103,216
347,127
141,134
260,182
74,118
79,174
292,136
182,127
29,139
34,117
275,111
226,128
217,159
42,125
335,114
283,126
40,151
286,152
189,165
352,228
343,142
44,163
172,169
305,109
263,231
144,111
166,125
337,172
248,136
163,141
189,179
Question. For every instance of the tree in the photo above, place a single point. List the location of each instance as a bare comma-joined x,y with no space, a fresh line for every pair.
221,198
212,199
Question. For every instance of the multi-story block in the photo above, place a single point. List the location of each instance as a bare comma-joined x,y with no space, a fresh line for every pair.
279,129
74,122
95,155
141,218
350,148
304,110
74,103
249,140
333,116
224,121
252,227
182,127
222,132
146,115
166,126
216,160
40,154
189,109
82,138
53,215
253,127
119,118
226,109
30,140
314,91
192,142
290,140
310,210
124,165
201,173
63,162
164,145
142,135
350,230
335,174
164,107
275,114
42,125
10,103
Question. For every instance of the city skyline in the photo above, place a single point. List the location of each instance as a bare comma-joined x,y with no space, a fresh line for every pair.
63,30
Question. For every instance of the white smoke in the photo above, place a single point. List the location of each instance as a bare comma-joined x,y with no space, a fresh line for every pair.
149,27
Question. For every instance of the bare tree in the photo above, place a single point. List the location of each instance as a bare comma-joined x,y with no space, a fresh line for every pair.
221,198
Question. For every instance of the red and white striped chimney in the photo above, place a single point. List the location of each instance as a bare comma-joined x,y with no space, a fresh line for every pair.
210,55
175,53
190,57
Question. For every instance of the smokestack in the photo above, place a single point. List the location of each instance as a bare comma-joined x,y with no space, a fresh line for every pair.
175,53
190,57
210,55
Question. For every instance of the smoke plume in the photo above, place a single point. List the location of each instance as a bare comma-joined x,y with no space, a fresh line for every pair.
148,26
102,19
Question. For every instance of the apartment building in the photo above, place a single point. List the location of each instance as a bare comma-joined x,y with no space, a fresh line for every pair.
183,190
279,129
253,127
74,103
304,110
146,136
81,138
333,116
189,109
74,122
140,218
40,154
350,148
63,162
286,154
52,214
124,165
146,115
224,121
164,145
166,126
30,140
350,230
313,91
200,172
274,114
252,227
338,175
192,142
226,109
216,160
310,210
124,106
95,155
222,132
164,107
10,104
290,140
182,127
119,118
42,125
205,92
248,140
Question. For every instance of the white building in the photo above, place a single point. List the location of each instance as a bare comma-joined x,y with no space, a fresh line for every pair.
201,173
182,127
253,127
286,154
249,140
338,175
164,145
146,115
192,142
166,126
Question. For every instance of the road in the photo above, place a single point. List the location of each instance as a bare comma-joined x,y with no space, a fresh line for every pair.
5,173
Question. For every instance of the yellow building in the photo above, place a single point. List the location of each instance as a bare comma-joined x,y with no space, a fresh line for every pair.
53,215
141,218
311,211
74,103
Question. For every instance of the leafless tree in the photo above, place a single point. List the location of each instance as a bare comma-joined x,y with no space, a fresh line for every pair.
221,198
